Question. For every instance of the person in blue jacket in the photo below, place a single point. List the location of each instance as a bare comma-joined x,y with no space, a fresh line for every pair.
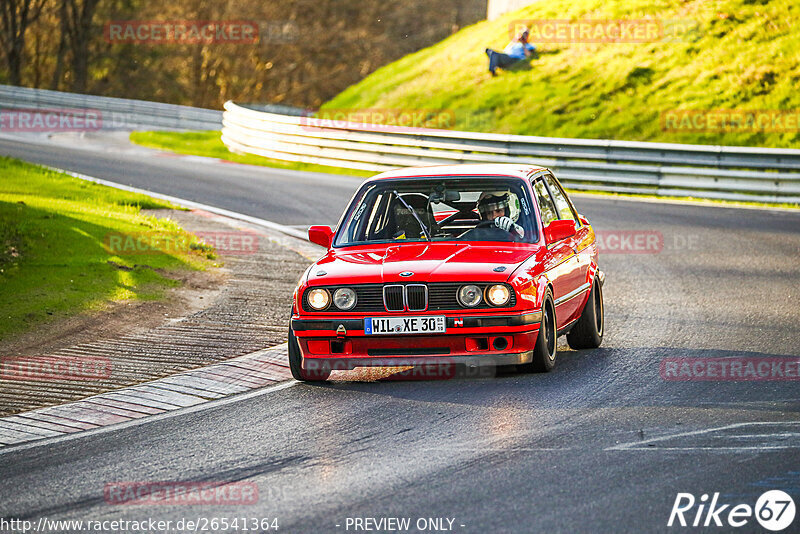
516,50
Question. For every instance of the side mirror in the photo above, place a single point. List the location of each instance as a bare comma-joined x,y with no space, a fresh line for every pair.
321,235
558,230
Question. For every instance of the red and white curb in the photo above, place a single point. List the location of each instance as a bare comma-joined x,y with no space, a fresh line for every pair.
191,388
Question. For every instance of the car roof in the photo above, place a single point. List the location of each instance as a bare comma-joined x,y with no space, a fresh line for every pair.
473,169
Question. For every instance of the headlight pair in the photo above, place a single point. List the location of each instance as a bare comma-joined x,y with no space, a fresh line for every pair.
471,295
344,298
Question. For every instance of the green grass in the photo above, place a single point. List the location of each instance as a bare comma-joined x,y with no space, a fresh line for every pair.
209,144
743,55
54,255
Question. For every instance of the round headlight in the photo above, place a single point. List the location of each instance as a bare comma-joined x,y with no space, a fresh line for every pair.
344,298
469,296
498,295
319,299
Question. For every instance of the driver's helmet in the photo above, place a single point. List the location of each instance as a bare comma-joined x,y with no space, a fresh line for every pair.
493,200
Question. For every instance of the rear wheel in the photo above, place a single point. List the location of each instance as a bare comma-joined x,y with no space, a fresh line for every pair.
588,331
296,363
544,352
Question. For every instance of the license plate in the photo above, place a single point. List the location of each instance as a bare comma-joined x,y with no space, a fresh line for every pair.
404,325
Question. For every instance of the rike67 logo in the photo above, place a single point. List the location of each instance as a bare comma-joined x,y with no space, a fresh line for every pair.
774,511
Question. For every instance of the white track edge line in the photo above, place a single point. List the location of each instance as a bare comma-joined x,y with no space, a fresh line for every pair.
288,230
632,444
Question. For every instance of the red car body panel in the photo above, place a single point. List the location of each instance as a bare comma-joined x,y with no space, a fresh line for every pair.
430,262
567,267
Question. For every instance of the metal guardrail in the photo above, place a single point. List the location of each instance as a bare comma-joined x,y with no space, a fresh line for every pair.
114,113
664,169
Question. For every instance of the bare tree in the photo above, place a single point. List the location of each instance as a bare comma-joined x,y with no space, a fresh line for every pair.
62,45
15,18
307,50
75,21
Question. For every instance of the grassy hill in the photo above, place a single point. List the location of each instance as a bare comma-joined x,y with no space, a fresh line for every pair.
743,55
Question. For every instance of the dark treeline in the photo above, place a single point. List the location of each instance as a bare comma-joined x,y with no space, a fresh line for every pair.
307,50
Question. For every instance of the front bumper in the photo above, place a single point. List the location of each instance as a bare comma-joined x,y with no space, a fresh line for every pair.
356,326
484,360
475,341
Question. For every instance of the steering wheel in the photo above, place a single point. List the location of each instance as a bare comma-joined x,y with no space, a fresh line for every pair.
489,230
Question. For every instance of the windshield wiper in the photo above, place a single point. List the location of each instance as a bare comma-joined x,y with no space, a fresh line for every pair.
414,213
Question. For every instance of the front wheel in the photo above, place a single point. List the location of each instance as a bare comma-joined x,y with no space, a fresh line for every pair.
588,331
296,364
544,352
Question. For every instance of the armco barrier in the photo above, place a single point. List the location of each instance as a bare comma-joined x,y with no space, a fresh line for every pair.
717,172
115,113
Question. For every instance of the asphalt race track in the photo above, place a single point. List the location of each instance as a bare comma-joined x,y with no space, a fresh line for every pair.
602,444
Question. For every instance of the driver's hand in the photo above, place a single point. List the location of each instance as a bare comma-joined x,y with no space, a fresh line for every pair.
504,223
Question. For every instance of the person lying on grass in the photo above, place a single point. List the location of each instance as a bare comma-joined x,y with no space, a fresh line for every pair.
518,49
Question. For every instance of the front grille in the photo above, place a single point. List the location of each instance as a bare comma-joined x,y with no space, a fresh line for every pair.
369,297
393,298
441,296
444,296
417,296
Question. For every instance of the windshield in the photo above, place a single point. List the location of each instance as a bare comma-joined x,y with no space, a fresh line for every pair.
449,209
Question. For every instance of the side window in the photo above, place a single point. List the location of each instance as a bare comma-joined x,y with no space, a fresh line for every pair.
546,207
562,204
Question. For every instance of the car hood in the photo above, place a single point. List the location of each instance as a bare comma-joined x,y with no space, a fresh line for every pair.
428,262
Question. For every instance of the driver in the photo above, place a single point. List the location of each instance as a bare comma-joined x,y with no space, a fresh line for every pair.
493,206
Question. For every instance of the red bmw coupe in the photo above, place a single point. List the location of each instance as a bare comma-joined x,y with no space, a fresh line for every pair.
463,264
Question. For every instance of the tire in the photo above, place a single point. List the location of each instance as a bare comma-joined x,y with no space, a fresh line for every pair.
296,364
544,352
588,331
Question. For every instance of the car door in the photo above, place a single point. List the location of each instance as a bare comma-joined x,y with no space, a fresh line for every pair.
581,258
560,265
